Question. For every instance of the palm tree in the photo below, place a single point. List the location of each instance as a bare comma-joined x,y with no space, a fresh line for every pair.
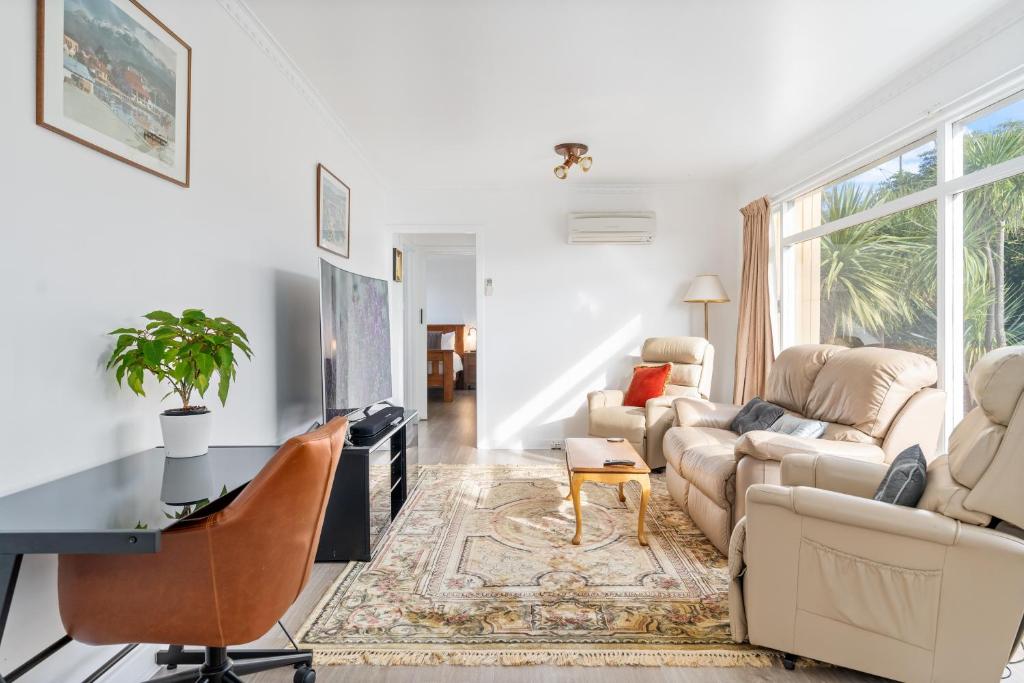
993,214
879,277
873,278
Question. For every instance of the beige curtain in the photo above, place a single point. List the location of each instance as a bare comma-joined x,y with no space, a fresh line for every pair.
754,350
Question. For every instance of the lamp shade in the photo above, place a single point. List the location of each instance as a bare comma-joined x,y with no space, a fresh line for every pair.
706,289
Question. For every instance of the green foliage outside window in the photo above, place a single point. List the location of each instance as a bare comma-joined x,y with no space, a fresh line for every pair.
878,278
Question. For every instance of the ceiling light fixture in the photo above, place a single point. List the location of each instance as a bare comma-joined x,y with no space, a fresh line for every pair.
572,153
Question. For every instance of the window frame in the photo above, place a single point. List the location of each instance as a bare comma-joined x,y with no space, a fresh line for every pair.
946,125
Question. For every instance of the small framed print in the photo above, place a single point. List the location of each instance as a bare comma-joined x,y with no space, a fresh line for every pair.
333,210
396,264
112,77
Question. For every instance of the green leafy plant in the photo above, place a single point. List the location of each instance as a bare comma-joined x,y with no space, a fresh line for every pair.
184,351
187,510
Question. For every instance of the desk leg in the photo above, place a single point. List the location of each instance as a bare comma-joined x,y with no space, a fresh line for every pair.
10,565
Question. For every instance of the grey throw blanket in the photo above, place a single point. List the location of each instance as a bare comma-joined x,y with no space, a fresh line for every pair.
756,414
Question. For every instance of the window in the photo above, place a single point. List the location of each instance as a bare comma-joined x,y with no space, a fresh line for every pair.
911,252
992,136
993,272
871,284
905,172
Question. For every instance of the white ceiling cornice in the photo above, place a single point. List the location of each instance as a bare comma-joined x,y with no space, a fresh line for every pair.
974,37
258,32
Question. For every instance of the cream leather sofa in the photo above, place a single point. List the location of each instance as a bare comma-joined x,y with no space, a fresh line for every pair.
693,360
876,402
926,594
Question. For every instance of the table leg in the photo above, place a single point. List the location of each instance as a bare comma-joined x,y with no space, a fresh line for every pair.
574,490
10,565
622,494
569,473
645,496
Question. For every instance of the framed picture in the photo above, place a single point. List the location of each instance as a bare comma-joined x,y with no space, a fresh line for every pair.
396,265
333,205
112,77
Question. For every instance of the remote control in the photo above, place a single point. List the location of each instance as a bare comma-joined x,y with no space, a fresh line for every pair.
618,463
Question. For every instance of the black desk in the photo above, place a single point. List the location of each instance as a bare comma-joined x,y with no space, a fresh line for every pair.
115,508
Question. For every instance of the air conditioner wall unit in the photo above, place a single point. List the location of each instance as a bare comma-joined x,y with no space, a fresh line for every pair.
611,227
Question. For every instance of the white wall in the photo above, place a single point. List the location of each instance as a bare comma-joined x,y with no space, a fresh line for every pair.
91,243
980,55
566,319
451,290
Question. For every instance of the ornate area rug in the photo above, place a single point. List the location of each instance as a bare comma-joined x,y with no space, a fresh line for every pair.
479,569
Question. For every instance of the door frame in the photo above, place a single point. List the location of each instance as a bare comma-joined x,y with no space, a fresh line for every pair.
404,237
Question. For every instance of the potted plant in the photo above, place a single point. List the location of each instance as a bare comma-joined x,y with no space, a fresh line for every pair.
186,352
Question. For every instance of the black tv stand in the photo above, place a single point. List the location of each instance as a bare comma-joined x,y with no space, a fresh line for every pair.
370,487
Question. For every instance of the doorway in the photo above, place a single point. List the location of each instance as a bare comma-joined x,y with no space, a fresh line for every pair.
442,340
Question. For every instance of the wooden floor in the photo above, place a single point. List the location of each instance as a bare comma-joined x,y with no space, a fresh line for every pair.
449,437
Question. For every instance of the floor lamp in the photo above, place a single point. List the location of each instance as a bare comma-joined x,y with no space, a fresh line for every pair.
706,289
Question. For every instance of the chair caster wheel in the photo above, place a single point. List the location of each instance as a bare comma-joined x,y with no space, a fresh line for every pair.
789,662
305,675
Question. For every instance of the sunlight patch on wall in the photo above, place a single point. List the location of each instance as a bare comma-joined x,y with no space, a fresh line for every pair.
564,384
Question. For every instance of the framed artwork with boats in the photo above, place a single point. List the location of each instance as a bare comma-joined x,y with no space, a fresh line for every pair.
114,78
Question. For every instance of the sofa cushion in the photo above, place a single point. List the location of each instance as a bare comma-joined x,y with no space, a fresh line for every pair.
997,382
674,350
756,414
682,374
766,445
867,387
793,374
973,446
680,439
838,432
904,482
943,495
677,391
648,382
626,421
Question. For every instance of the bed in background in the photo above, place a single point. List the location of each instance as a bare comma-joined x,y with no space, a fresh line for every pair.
444,364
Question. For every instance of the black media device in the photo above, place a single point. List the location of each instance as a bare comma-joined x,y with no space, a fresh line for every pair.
376,423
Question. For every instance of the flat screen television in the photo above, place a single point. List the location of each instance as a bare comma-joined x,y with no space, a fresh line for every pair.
355,337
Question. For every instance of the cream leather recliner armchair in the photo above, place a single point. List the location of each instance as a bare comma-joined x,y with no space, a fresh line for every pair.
693,361
821,570
875,401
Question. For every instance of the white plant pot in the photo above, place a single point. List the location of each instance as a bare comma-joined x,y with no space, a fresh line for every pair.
186,436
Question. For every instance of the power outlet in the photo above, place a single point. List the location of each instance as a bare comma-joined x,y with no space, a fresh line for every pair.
556,445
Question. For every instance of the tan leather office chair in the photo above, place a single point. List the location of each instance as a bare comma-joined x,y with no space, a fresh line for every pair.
926,594
219,580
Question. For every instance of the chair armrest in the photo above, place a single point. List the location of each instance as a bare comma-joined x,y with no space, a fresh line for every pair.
862,513
765,445
831,473
698,412
606,398
657,407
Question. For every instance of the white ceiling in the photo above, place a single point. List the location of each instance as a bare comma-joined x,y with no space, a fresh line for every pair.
476,92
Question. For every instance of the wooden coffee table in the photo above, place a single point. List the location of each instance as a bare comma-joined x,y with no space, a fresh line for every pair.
584,458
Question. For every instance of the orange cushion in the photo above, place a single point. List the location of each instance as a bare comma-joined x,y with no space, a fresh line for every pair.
648,382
